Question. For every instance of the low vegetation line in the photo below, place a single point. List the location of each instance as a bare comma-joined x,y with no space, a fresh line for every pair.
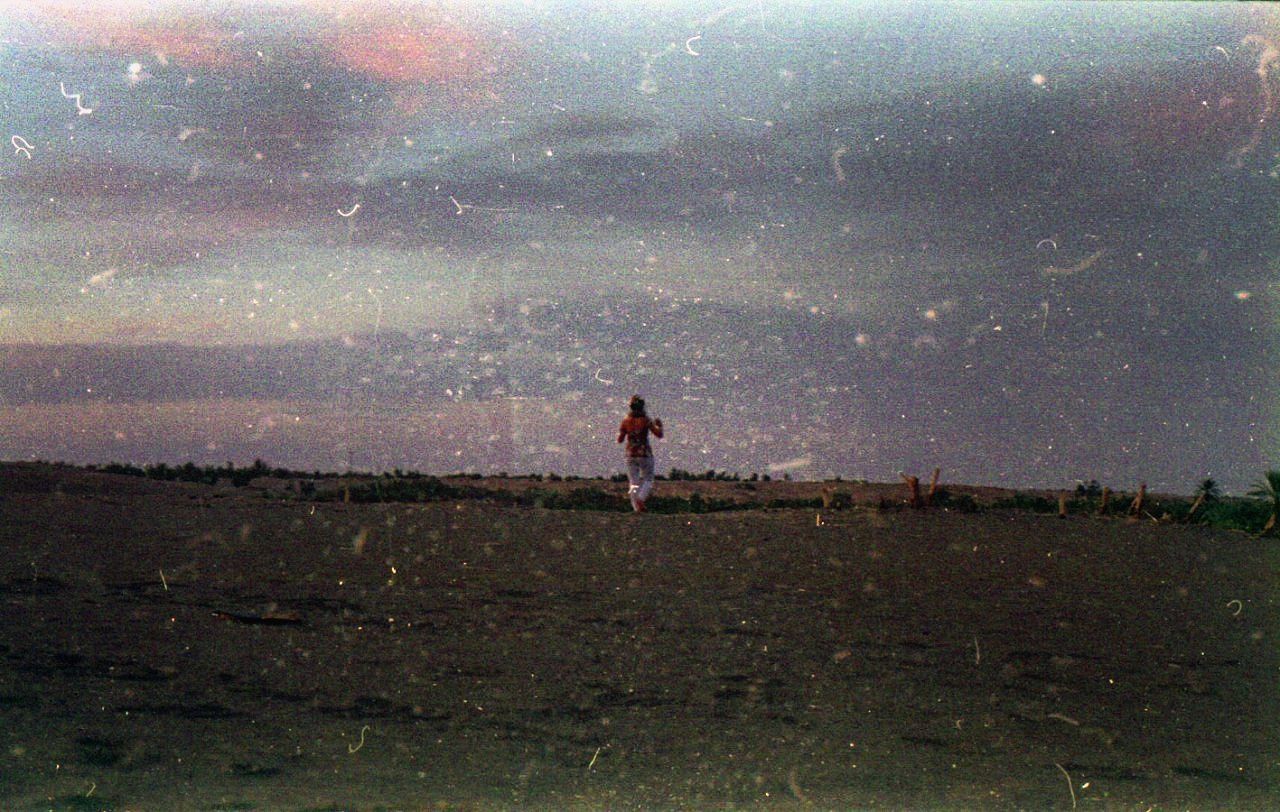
1255,513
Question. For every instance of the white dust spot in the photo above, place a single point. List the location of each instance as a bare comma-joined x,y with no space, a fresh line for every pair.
789,465
137,73
100,279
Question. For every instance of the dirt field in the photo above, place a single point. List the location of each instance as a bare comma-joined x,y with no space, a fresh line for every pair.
181,647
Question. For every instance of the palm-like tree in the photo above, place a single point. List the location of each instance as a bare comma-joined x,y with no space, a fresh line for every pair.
1210,490
1269,488
1207,492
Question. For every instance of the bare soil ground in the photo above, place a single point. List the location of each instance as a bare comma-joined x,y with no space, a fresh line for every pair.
181,647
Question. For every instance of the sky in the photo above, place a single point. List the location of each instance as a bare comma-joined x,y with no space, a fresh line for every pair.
1030,244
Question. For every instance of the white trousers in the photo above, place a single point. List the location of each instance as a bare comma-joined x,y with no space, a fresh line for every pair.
640,475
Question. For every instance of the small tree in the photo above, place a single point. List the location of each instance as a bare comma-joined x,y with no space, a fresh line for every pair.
1210,490
1268,488
1091,491
1207,492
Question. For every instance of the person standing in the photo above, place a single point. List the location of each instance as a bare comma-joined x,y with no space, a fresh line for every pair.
635,430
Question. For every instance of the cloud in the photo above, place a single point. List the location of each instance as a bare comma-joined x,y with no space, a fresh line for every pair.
412,45
189,41
70,226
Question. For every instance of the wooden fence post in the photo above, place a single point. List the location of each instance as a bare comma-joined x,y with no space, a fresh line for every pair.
1062,506
1135,509
1200,497
933,487
1106,500
913,485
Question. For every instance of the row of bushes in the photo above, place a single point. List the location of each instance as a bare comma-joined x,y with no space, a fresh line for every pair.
212,474
1232,513
1244,514
208,474
674,475
433,489
1247,514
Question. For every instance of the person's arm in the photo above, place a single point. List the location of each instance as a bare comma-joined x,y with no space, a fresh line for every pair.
656,427
622,431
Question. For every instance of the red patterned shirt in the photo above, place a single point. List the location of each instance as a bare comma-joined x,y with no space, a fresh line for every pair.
635,431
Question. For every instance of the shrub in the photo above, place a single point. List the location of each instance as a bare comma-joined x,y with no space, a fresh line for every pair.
1027,501
795,503
1249,515
426,489
123,469
577,499
1093,490
695,503
961,503
1268,489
